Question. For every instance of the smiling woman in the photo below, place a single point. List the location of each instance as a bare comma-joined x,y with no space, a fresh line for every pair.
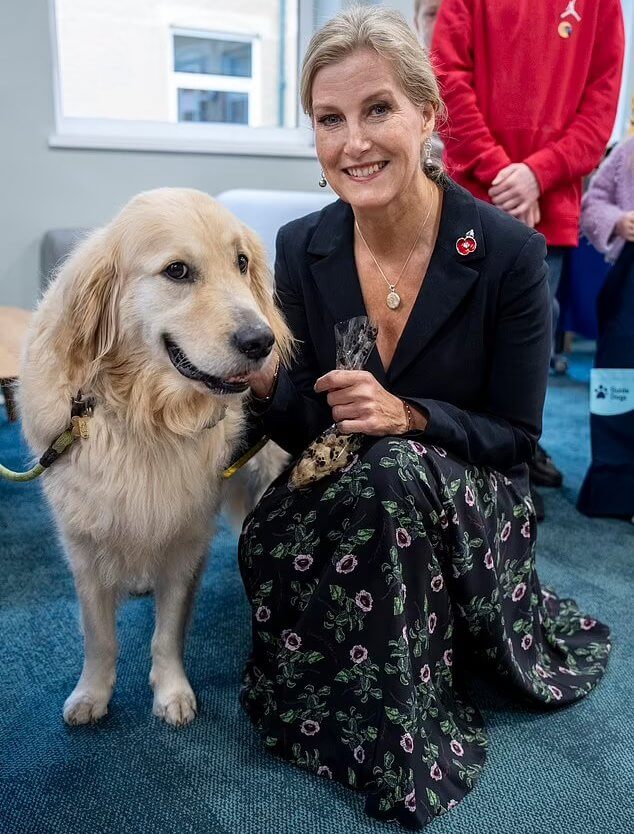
373,588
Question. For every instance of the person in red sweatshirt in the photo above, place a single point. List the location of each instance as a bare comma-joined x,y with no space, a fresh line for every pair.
531,90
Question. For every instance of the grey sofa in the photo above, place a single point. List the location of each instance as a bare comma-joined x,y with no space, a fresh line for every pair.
263,210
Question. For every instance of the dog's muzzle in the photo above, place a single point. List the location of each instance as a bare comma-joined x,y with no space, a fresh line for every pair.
186,367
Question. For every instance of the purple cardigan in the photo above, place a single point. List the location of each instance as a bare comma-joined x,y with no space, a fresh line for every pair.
611,193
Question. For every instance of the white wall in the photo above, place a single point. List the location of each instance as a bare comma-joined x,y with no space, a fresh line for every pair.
44,188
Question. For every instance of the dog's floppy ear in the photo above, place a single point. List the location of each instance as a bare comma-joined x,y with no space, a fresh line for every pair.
91,300
263,291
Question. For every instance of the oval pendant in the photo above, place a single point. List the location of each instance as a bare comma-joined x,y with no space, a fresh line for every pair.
393,300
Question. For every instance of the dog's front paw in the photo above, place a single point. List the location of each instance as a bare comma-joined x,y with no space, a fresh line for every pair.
175,707
85,707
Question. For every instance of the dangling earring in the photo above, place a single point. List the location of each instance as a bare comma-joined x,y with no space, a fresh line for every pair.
322,181
429,162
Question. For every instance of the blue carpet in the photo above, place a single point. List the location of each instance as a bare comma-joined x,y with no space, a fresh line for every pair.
556,772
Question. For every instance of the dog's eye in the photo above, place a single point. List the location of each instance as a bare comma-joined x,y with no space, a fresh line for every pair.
243,264
176,271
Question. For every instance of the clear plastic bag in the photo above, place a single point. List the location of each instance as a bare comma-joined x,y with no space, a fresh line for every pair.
331,450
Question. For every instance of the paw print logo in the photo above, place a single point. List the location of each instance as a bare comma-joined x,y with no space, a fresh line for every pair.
600,392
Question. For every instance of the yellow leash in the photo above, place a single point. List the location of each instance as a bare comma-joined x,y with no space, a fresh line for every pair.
79,428
230,471
50,455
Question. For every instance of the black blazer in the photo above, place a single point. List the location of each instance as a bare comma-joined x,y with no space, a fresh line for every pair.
475,351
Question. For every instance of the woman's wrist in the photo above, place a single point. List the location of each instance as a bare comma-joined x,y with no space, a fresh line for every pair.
414,420
264,390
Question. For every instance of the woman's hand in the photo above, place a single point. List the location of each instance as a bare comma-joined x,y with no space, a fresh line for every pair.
625,226
360,405
262,382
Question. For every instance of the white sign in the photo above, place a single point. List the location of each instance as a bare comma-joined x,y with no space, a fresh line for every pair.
611,391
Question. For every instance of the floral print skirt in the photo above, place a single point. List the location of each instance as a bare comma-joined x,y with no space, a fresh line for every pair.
372,591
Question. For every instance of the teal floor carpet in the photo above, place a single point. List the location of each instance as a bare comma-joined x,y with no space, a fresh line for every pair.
563,772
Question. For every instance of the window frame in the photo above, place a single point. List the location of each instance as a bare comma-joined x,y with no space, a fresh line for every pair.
182,137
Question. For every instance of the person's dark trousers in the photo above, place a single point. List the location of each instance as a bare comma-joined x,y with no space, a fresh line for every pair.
555,260
608,488
543,471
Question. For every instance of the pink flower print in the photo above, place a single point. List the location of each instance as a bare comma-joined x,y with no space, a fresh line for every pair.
440,452
364,600
457,748
566,670
437,583
444,523
488,560
454,518
425,673
418,447
405,635
431,623
407,743
547,595
448,657
527,641
469,496
506,531
358,654
451,804
403,538
293,642
262,614
541,671
359,754
555,692
309,727
518,592
410,801
346,564
435,772
302,562
324,771
587,623
526,530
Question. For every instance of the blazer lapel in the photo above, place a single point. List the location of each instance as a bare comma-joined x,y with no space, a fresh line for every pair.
450,275
335,272
449,279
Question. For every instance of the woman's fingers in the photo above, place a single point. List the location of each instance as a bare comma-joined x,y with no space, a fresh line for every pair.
338,379
353,427
351,411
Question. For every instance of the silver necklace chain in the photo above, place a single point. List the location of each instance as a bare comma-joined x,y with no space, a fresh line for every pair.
393,299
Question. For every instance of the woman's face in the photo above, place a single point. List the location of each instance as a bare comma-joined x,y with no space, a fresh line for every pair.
368,134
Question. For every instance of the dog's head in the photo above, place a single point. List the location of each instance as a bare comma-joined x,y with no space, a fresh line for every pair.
176,288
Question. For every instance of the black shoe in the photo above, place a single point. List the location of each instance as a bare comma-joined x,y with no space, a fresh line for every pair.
543,471
538,503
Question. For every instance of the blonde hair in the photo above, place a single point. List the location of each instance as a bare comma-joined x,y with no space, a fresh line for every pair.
390,36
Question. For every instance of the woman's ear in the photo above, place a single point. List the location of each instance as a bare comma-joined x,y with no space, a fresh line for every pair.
90,324
263,290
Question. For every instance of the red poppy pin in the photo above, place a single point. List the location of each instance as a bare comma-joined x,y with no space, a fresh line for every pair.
467,244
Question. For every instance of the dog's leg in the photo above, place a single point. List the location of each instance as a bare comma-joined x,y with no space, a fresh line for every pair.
89,700
174,699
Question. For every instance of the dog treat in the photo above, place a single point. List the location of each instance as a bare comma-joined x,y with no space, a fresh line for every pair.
331,450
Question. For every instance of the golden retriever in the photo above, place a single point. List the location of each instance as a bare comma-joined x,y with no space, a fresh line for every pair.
158,316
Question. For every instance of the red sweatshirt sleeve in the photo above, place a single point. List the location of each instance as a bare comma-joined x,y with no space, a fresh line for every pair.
474,151
583,144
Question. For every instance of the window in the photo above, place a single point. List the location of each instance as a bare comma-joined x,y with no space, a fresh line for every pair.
217,78
204,76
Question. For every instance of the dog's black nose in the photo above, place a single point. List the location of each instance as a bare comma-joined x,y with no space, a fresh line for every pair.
254,341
